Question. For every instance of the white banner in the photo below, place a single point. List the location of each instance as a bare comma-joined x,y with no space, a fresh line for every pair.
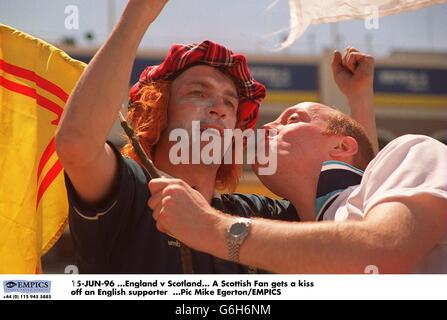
222,287
306,12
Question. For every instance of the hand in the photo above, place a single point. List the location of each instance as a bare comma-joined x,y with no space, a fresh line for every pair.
181,211
353,72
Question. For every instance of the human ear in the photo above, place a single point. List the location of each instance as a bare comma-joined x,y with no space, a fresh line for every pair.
344,147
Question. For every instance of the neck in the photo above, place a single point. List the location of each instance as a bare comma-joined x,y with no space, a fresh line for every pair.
303,199
302,192
199,176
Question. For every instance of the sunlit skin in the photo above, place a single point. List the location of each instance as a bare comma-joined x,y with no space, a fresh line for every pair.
301,149
80,138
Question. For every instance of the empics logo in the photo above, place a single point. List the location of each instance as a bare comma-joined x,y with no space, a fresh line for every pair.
25,286
10,284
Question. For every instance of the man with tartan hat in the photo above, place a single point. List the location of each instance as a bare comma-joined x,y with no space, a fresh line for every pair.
111,224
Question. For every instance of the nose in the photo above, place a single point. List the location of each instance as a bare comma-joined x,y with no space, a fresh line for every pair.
271,129
267,126
218,110
271,126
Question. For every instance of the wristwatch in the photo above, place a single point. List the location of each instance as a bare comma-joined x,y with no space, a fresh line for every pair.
236,234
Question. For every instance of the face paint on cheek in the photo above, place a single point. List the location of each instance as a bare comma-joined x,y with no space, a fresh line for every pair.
187,109
198,102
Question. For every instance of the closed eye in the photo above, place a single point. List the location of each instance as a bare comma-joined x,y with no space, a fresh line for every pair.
230,104
293,119
197,93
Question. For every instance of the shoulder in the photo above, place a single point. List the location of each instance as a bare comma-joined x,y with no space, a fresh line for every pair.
131,184
422,147
409,155
136,170
410,165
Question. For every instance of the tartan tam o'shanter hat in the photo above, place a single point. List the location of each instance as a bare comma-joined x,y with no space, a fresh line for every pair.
181,57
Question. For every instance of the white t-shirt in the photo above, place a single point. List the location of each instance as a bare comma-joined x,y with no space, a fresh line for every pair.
409,165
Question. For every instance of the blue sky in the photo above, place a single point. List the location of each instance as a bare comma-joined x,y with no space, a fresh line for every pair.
244,25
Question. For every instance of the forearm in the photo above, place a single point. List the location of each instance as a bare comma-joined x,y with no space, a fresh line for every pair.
98,95
306,248
362,110
325,247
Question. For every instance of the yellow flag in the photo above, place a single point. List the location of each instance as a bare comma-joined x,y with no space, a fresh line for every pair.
35,81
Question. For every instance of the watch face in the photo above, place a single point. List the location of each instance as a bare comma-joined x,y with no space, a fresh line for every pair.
238,229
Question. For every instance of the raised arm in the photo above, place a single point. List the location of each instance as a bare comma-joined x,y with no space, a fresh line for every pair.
354,75
96,100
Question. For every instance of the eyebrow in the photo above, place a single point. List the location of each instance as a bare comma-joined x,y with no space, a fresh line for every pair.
305,113
286,114
206,85
301,113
